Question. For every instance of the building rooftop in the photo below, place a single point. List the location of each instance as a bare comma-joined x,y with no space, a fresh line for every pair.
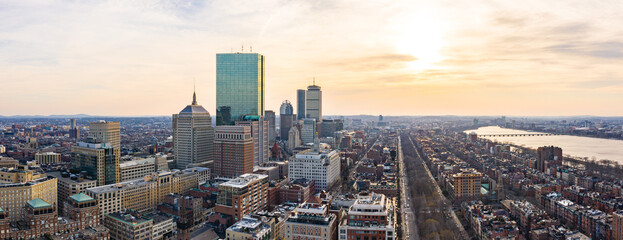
38,203
137,161
194,109
81,197
251,226
129,219
244,180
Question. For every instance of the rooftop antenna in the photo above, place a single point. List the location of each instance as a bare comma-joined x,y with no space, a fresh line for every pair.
242,48
251,49
314,80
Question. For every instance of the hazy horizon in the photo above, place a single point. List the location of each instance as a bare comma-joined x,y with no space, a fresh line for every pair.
463,58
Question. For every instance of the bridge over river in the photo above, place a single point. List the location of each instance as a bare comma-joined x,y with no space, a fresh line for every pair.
518,135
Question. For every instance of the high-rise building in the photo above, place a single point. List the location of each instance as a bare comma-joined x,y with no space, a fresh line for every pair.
239,86
301,96
259,132
308,130
106,132
233,151
617,225
465,185
269,115
193,136
547,156
98,160
372,216
310,221
286,119
74,132
320,165
294,138
242,196
313,103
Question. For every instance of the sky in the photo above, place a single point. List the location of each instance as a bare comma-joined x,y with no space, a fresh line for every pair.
419,57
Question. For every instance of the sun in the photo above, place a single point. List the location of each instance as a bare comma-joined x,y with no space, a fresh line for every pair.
421,36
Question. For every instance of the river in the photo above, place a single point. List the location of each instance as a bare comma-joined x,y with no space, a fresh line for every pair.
571,145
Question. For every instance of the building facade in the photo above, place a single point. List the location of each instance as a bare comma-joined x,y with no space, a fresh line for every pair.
313,103
259,132
233,151
70,184
319,165
99,160
310,221
286,119
372,216
137,168
465,185
301,99
294,139
308,130
106,132
239,86
242,196
145,194
193,136
547,156
17,186
48,158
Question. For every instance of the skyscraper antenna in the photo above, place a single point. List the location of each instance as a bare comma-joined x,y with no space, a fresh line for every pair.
242,48
251,49
194,92
314,80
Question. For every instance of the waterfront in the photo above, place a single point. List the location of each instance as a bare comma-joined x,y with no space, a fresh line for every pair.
571,145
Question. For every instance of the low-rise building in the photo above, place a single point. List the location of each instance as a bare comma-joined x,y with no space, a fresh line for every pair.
249,228
371,216
243,195
310,221
48,158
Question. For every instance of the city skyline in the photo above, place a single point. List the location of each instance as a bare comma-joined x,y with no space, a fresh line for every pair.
415,58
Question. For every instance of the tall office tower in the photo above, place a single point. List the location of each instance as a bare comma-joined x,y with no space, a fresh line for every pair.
193,136
313,103
308,130
300,104
106,132
320,165
259,132
233,151
269,115
239,86
376,209
286,119
98,160
547,156
74,132
294,138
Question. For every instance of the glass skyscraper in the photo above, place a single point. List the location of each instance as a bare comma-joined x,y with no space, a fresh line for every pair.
239,86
